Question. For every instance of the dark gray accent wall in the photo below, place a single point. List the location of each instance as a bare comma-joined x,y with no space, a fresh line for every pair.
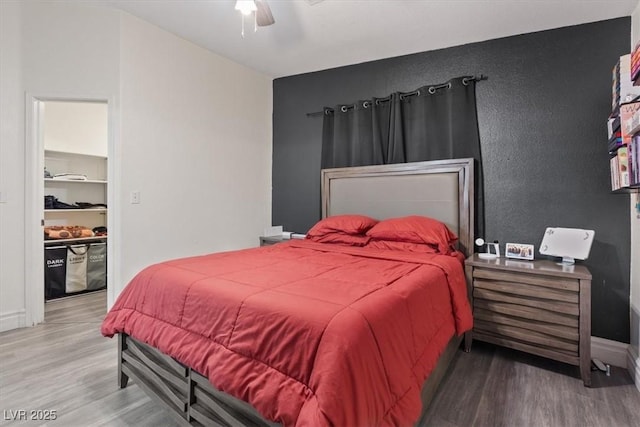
542,116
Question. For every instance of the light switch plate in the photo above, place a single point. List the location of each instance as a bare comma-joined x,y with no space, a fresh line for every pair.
135,197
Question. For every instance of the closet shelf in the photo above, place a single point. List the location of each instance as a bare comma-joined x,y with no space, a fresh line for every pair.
68,153
76,181
76,210
75,240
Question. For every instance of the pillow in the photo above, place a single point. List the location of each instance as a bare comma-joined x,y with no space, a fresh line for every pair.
402,246
415,229
345,224
341,238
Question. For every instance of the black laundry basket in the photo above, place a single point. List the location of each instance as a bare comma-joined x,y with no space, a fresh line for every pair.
55,271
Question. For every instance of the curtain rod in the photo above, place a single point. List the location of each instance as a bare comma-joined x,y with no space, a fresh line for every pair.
432,90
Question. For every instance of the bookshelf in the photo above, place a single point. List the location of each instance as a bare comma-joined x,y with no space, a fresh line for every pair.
624,127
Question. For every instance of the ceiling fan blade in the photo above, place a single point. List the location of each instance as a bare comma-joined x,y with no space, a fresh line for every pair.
263,14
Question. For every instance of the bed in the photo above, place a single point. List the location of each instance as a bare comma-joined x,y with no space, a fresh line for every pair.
308,333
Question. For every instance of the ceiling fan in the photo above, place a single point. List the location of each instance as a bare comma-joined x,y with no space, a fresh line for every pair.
263,15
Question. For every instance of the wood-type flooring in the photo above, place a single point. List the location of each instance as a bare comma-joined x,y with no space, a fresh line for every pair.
65,365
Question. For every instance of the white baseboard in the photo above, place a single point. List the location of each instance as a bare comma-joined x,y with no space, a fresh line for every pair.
633,365
13,320
609,351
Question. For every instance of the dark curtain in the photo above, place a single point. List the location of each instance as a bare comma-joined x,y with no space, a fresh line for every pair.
431,123
356,135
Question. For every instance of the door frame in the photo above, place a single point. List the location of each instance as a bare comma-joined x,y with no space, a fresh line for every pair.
34,196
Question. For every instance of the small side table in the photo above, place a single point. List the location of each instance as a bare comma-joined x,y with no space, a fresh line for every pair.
538,307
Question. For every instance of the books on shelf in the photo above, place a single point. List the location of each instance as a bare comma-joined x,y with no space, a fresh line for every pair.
623,166
633,156
635,65
615,87
623,126
622,88
615,142
615,181
627,112
613,125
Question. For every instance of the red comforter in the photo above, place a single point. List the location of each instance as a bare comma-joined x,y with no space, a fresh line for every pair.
310,334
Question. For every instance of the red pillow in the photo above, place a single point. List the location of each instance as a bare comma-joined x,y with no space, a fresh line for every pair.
345,224
401,246
415,229
341,238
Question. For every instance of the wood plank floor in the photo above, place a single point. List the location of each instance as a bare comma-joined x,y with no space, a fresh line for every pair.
67,366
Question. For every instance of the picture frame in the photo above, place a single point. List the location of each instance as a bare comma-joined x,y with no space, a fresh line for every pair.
519,251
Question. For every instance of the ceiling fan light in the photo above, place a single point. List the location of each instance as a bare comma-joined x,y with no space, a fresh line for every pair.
246,6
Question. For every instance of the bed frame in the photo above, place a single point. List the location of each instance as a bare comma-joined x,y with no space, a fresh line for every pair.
440,189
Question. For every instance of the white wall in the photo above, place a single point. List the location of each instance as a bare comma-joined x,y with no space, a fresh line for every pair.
196,133
193,135
12,302
76,127
634,348
53,49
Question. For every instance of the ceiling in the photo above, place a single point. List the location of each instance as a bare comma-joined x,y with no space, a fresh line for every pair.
331,33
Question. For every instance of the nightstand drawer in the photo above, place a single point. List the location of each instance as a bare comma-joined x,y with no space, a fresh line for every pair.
524,312
532,279
538,349
553,328
548,304
527,290
527,336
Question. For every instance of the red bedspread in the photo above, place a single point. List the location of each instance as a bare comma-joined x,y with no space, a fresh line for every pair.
310,334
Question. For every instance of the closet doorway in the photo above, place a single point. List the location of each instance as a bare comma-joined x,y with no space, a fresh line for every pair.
70,191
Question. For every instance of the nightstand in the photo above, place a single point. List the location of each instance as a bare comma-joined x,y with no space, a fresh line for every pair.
270,240
538,307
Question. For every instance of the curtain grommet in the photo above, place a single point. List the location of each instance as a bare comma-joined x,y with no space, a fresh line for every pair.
344,109
432,90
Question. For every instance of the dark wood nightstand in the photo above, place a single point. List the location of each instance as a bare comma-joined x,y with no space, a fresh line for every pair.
538,307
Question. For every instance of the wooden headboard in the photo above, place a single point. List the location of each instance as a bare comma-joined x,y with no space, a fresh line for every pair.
440,189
